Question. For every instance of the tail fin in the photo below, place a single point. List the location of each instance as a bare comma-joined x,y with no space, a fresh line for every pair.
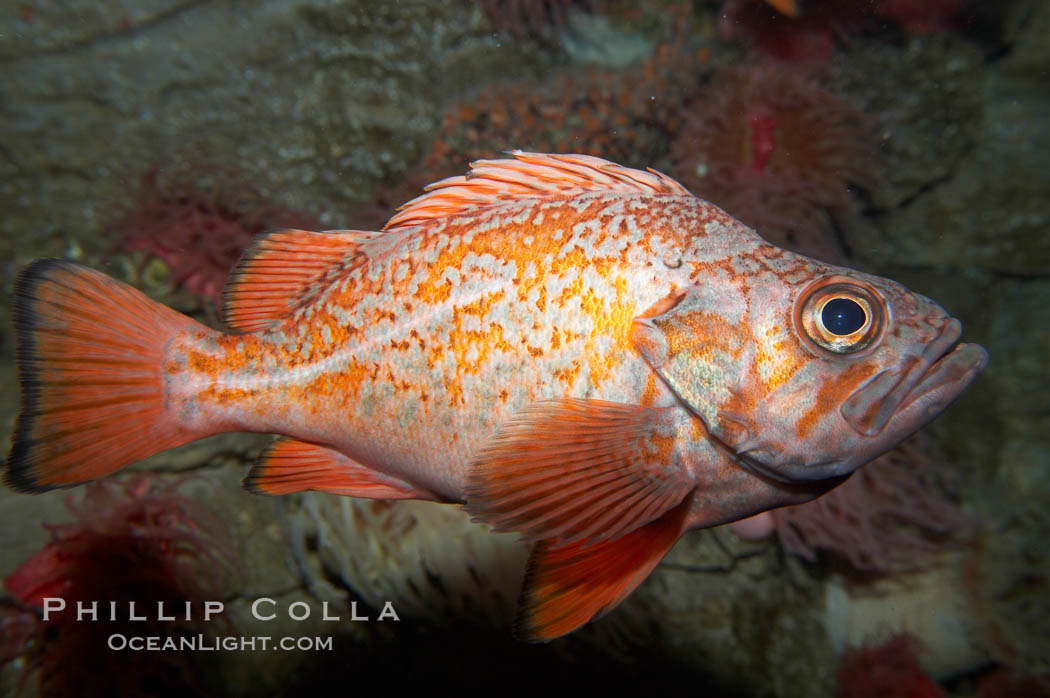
90,354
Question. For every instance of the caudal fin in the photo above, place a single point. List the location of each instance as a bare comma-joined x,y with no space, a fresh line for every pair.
90,361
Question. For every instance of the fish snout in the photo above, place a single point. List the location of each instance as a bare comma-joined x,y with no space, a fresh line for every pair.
918,387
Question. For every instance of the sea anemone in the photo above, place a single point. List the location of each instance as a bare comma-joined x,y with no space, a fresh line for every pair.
890,670
811,34
385,550
437,566
592,112
199,230
781,153
136,540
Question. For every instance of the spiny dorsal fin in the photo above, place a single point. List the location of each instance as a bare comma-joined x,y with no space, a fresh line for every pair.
278,271
529,175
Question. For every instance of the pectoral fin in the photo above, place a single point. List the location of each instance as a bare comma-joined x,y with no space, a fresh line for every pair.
569,585
297,466
568,470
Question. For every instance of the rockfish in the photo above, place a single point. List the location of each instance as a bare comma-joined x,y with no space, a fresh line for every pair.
582,353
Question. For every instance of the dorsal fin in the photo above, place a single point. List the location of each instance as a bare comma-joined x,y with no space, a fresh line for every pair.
528,175
280,270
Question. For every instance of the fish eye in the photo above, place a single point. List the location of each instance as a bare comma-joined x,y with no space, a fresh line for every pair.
843,316
839,315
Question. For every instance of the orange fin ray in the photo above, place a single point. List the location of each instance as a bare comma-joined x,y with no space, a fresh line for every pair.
571,469
283,270
527,176
289,466
569,585
788,8
90,356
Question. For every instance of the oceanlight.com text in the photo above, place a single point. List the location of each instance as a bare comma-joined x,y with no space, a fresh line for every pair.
204,643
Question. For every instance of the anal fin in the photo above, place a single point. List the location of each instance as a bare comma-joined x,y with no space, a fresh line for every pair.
298,466
569,585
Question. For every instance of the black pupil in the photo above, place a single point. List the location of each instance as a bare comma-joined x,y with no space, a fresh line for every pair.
842,316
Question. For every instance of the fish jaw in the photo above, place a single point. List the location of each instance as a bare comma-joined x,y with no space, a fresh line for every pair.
936,388
880,413
943,381
939,370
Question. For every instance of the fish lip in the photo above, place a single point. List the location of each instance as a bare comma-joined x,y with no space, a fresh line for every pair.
949,375
907,399
944,369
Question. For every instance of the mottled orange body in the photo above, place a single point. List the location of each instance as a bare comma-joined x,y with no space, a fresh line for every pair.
582,353
411,367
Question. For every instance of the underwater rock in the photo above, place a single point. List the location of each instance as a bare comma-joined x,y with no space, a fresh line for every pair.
592,39
932,605
531,19
926,98
994,212
967,151
426,557
1009,570
719,608
1027,24
1019,370
736,611
37,28
94,95
263,672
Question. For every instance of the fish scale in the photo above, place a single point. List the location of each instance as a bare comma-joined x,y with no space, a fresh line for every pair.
488,306
579,352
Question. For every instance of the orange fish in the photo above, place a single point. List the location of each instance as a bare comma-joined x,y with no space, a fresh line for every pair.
582,353
789,8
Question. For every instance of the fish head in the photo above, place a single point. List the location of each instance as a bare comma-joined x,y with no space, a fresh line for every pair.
806,371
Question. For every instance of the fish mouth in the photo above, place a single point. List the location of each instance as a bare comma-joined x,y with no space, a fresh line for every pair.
917,390
893,403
